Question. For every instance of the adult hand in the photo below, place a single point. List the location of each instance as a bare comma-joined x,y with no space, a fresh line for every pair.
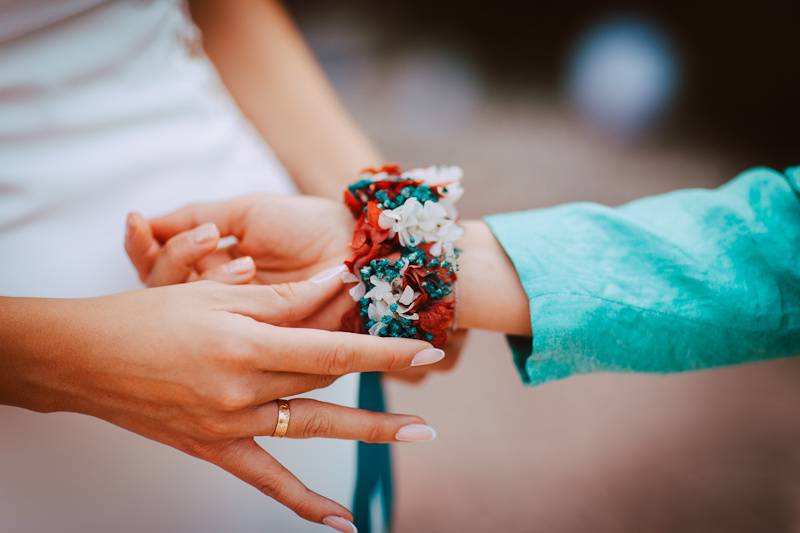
198,367
279,239
288,237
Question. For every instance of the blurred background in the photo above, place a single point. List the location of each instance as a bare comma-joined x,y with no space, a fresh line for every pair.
551,102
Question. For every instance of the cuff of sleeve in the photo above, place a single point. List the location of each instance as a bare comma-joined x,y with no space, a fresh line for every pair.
520,246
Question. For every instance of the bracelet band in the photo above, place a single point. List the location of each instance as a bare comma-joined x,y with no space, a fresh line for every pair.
404,261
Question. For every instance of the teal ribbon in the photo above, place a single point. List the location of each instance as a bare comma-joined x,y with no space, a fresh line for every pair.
374,461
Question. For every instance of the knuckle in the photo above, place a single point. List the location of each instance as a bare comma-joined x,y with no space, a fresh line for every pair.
338,360
304,508
376,430
234,398
317,424
397,361
234,348
284,291
325,381
270,484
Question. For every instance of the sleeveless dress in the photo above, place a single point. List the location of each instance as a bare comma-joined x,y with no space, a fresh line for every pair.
106,107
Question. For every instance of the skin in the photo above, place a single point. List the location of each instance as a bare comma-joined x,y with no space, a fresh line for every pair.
291,237
272,75
198,367
56,354
278,85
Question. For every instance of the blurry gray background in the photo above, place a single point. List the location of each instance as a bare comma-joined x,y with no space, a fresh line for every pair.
544,103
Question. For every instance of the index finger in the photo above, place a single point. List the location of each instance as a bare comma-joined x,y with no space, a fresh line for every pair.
334,353
227,215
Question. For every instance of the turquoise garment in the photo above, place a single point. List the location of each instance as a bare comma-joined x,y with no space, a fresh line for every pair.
683,281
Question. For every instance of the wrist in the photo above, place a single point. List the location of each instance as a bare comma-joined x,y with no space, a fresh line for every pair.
38,338
490,294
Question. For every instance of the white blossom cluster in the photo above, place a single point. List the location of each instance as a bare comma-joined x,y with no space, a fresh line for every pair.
414,223
432,222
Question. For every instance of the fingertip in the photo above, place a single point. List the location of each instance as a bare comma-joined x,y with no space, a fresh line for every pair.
416,433
340,524
329,275
206,234
241,266
132,224
427,356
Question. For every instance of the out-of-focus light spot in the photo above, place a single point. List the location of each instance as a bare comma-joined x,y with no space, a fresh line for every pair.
622,77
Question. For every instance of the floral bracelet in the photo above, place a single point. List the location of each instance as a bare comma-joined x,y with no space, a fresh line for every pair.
404,260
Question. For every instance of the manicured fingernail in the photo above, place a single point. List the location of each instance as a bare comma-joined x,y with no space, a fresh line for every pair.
327,275
205,233
243,265
227,241
339,524
130,226
415,433
428,356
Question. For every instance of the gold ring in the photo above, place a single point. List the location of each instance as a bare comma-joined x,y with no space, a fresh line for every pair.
284,414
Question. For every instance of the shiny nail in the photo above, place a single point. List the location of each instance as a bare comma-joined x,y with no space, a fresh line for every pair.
327,275
205,233
428,356
243,265
415,433
339,524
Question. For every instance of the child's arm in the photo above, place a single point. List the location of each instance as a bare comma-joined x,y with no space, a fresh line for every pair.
687,280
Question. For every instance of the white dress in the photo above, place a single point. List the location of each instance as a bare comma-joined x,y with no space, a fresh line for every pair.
106,107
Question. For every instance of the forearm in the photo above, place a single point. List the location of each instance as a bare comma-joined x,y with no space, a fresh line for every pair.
267,67
688,280
36,337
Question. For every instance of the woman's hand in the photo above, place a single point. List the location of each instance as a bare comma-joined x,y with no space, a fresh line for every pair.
198,367
278,239
289,237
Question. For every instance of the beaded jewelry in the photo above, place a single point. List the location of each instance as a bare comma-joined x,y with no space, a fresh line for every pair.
404,260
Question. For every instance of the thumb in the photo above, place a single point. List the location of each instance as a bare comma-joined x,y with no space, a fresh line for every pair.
286,303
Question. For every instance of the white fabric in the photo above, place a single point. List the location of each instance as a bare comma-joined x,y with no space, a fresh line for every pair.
107,107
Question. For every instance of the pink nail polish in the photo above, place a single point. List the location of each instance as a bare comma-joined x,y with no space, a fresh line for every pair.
416,433
241,265
428,356
327,274
205,233
339,524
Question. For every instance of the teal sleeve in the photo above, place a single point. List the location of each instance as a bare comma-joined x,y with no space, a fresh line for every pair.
687,280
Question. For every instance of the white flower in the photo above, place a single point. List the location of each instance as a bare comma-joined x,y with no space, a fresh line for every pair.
357,292
381,290
434,175
388,299
408,296
415,223
449,195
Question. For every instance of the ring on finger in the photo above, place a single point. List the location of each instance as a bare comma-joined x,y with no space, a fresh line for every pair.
284,414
